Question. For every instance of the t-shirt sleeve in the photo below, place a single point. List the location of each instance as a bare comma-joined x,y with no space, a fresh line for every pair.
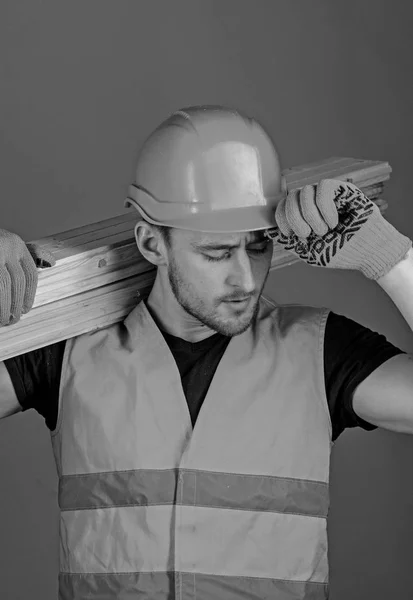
351,353
36,380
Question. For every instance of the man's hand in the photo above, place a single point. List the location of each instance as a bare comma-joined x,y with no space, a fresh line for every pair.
335,225
18,275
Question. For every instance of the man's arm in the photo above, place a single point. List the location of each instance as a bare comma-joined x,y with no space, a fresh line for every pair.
334,225
35,377
9,405
18,284
385,397
352,352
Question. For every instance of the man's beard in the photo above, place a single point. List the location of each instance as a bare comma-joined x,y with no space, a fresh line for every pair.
195,306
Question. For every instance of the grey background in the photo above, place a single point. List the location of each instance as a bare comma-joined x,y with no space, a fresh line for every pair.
84,82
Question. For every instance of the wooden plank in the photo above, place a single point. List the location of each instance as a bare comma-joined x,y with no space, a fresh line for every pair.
100,274
93,268
74,315
355,170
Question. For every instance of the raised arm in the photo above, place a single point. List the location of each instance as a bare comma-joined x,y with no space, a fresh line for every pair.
18,284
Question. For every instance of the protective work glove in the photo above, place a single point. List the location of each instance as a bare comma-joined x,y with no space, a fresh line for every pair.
18,275
333,224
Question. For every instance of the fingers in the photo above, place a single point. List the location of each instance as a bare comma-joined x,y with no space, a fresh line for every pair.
327,192
281,219
18,283
31,277
310,209
289,218
18,276
18,288
295,216
5,296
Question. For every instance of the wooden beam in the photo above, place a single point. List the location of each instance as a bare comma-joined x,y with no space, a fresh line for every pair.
100,275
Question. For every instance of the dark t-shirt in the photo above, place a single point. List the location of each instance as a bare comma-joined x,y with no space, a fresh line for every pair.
351,353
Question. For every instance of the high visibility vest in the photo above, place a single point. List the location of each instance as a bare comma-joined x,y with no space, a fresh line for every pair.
233,508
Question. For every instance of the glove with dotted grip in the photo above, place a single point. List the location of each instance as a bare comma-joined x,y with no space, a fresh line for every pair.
335,225
18,275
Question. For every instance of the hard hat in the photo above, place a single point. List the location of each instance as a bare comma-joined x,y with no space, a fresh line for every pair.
208,168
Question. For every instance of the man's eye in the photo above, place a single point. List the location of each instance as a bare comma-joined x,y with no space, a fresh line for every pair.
261,249
224,256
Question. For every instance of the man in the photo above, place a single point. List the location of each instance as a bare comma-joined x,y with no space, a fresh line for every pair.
192,441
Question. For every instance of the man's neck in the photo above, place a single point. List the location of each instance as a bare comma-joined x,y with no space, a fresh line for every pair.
171,317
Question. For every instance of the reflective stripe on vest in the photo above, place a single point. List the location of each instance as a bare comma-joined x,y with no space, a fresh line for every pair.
159,586
236,508
201,488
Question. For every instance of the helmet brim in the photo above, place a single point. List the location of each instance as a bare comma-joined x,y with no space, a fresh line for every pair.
250,218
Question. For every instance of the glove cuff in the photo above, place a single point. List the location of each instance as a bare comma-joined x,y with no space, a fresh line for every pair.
380,247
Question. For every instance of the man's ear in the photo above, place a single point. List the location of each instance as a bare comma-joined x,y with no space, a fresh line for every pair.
150,243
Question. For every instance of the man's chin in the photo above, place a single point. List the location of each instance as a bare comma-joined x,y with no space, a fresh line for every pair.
232,332
233,327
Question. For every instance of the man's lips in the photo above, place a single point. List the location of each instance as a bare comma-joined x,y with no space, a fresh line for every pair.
243,300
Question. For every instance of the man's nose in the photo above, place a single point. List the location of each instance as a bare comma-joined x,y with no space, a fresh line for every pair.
241,273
